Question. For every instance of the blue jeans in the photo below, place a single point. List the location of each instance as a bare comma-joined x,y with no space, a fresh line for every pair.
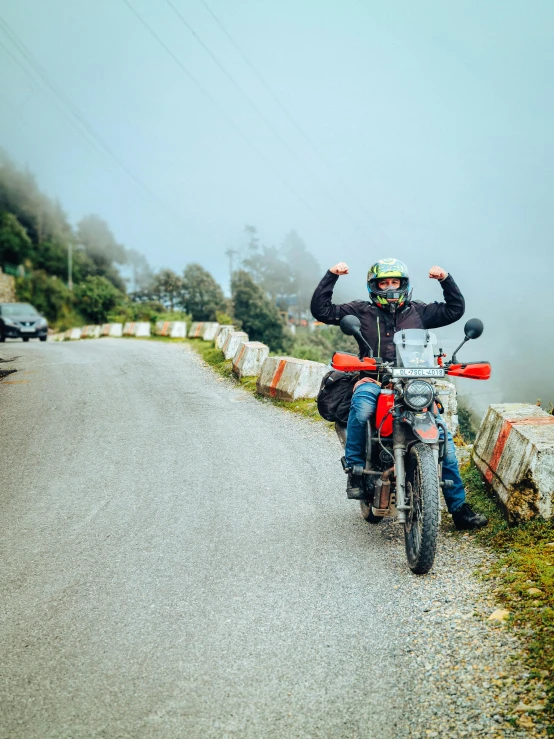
364,403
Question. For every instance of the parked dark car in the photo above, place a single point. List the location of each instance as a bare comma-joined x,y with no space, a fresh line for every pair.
21,321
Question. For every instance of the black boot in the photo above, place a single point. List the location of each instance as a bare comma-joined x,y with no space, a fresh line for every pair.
466,518
355,489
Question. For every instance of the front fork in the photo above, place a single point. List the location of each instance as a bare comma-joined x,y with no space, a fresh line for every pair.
400,448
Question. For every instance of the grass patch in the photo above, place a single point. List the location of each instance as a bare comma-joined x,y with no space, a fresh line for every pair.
524,562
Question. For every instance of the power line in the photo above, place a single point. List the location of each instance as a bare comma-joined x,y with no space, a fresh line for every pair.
36,86
224,113
263,117
289,115
76,113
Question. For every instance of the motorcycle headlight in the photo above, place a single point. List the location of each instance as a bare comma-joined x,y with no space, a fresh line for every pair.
418,394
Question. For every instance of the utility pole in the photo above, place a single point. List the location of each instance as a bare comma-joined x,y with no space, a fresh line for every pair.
231,253
70,265
79,247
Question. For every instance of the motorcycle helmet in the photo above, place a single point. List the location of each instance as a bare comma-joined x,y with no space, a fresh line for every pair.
382,270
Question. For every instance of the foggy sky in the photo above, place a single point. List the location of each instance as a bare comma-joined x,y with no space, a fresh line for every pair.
437,117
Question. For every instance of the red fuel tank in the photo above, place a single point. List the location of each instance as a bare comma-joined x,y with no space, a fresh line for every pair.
385,402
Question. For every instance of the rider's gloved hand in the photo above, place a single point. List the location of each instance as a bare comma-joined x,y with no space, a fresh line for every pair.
339,269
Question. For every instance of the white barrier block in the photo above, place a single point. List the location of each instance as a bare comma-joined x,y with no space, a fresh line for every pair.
129,329
221,337
514,450
447,396
289,378
249,358
95,332
162,328
74,333
116,330
178,330
85,331
210,331
106,329
142,328
196,330
232,342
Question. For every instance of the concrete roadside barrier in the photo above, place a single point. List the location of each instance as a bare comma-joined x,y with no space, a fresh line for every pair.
514,450
249,358
447,396
288,378
163,328
85,332
95,332
210,331
74,334
116,330
105,329
178,330
196,330
142,329
129,329
232,342
221,337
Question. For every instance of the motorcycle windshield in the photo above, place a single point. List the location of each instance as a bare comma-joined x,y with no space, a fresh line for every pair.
415,347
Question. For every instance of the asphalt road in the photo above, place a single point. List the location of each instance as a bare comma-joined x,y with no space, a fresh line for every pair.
180,560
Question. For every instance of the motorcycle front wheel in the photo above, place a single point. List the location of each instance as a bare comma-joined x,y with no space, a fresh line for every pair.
422,520
367,513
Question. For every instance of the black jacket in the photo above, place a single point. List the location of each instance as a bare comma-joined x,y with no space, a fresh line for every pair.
378,325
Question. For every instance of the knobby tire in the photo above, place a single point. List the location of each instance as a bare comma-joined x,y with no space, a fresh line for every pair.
422,526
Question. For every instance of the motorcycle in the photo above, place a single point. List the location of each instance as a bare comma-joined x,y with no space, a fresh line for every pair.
406,441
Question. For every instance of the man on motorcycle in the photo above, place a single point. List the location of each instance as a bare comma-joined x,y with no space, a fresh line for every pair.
390,309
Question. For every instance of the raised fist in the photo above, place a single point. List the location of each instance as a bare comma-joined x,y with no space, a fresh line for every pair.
437,273
339,269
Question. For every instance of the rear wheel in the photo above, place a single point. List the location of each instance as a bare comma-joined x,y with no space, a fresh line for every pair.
42,338
422,521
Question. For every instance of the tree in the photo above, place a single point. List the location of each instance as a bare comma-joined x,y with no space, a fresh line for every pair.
47,293
15,244
259,316
267,267
167,288
202,296
95,297
102,250
304,268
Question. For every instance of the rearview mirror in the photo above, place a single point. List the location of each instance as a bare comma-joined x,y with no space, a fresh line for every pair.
350,325
473,328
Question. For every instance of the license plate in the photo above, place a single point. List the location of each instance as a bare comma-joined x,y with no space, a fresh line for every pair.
418,372
27,329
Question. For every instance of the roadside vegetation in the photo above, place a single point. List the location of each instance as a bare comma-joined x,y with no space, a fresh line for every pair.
522,575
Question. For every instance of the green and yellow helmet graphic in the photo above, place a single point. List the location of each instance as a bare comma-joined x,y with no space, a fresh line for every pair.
387,268
381,270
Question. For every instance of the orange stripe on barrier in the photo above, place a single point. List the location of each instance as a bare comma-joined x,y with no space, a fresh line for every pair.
243,347
198,329
500,444
503,438
276,377
164,328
